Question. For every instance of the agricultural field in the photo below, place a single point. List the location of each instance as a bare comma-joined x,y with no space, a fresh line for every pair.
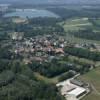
18,20
80,60
93,77
53,80
46,79
97,21
76,24
96,25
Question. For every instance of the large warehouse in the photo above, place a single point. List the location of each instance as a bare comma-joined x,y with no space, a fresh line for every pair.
68,89
77,92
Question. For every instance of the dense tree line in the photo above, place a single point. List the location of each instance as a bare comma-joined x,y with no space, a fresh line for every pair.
95,21
83,53
44,21
70,13
60,67
19,83
29,32
86,34
66,76
5,53
53,68
34,27
6,77
3,35
4,65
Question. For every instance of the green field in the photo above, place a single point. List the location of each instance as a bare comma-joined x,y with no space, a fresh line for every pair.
53,80
80,60
74,39
96,28
46,79
97,21
76,24
93,77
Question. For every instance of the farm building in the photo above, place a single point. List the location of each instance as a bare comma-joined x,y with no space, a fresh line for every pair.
72,88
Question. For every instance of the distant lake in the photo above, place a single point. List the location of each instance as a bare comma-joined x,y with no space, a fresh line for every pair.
31,13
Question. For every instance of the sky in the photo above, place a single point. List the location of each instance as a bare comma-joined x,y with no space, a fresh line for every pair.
50,1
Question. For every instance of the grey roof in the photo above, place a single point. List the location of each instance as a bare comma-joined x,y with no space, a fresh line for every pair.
77,82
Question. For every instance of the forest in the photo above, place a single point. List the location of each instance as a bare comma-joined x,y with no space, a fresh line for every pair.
83,53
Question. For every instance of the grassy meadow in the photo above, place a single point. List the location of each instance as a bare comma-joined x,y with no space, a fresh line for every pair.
93,78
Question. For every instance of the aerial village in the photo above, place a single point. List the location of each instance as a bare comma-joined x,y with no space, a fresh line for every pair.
45,48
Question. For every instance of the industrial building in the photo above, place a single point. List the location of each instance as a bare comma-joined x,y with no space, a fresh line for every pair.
72,89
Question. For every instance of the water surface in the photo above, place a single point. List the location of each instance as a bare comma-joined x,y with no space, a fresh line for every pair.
31,13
